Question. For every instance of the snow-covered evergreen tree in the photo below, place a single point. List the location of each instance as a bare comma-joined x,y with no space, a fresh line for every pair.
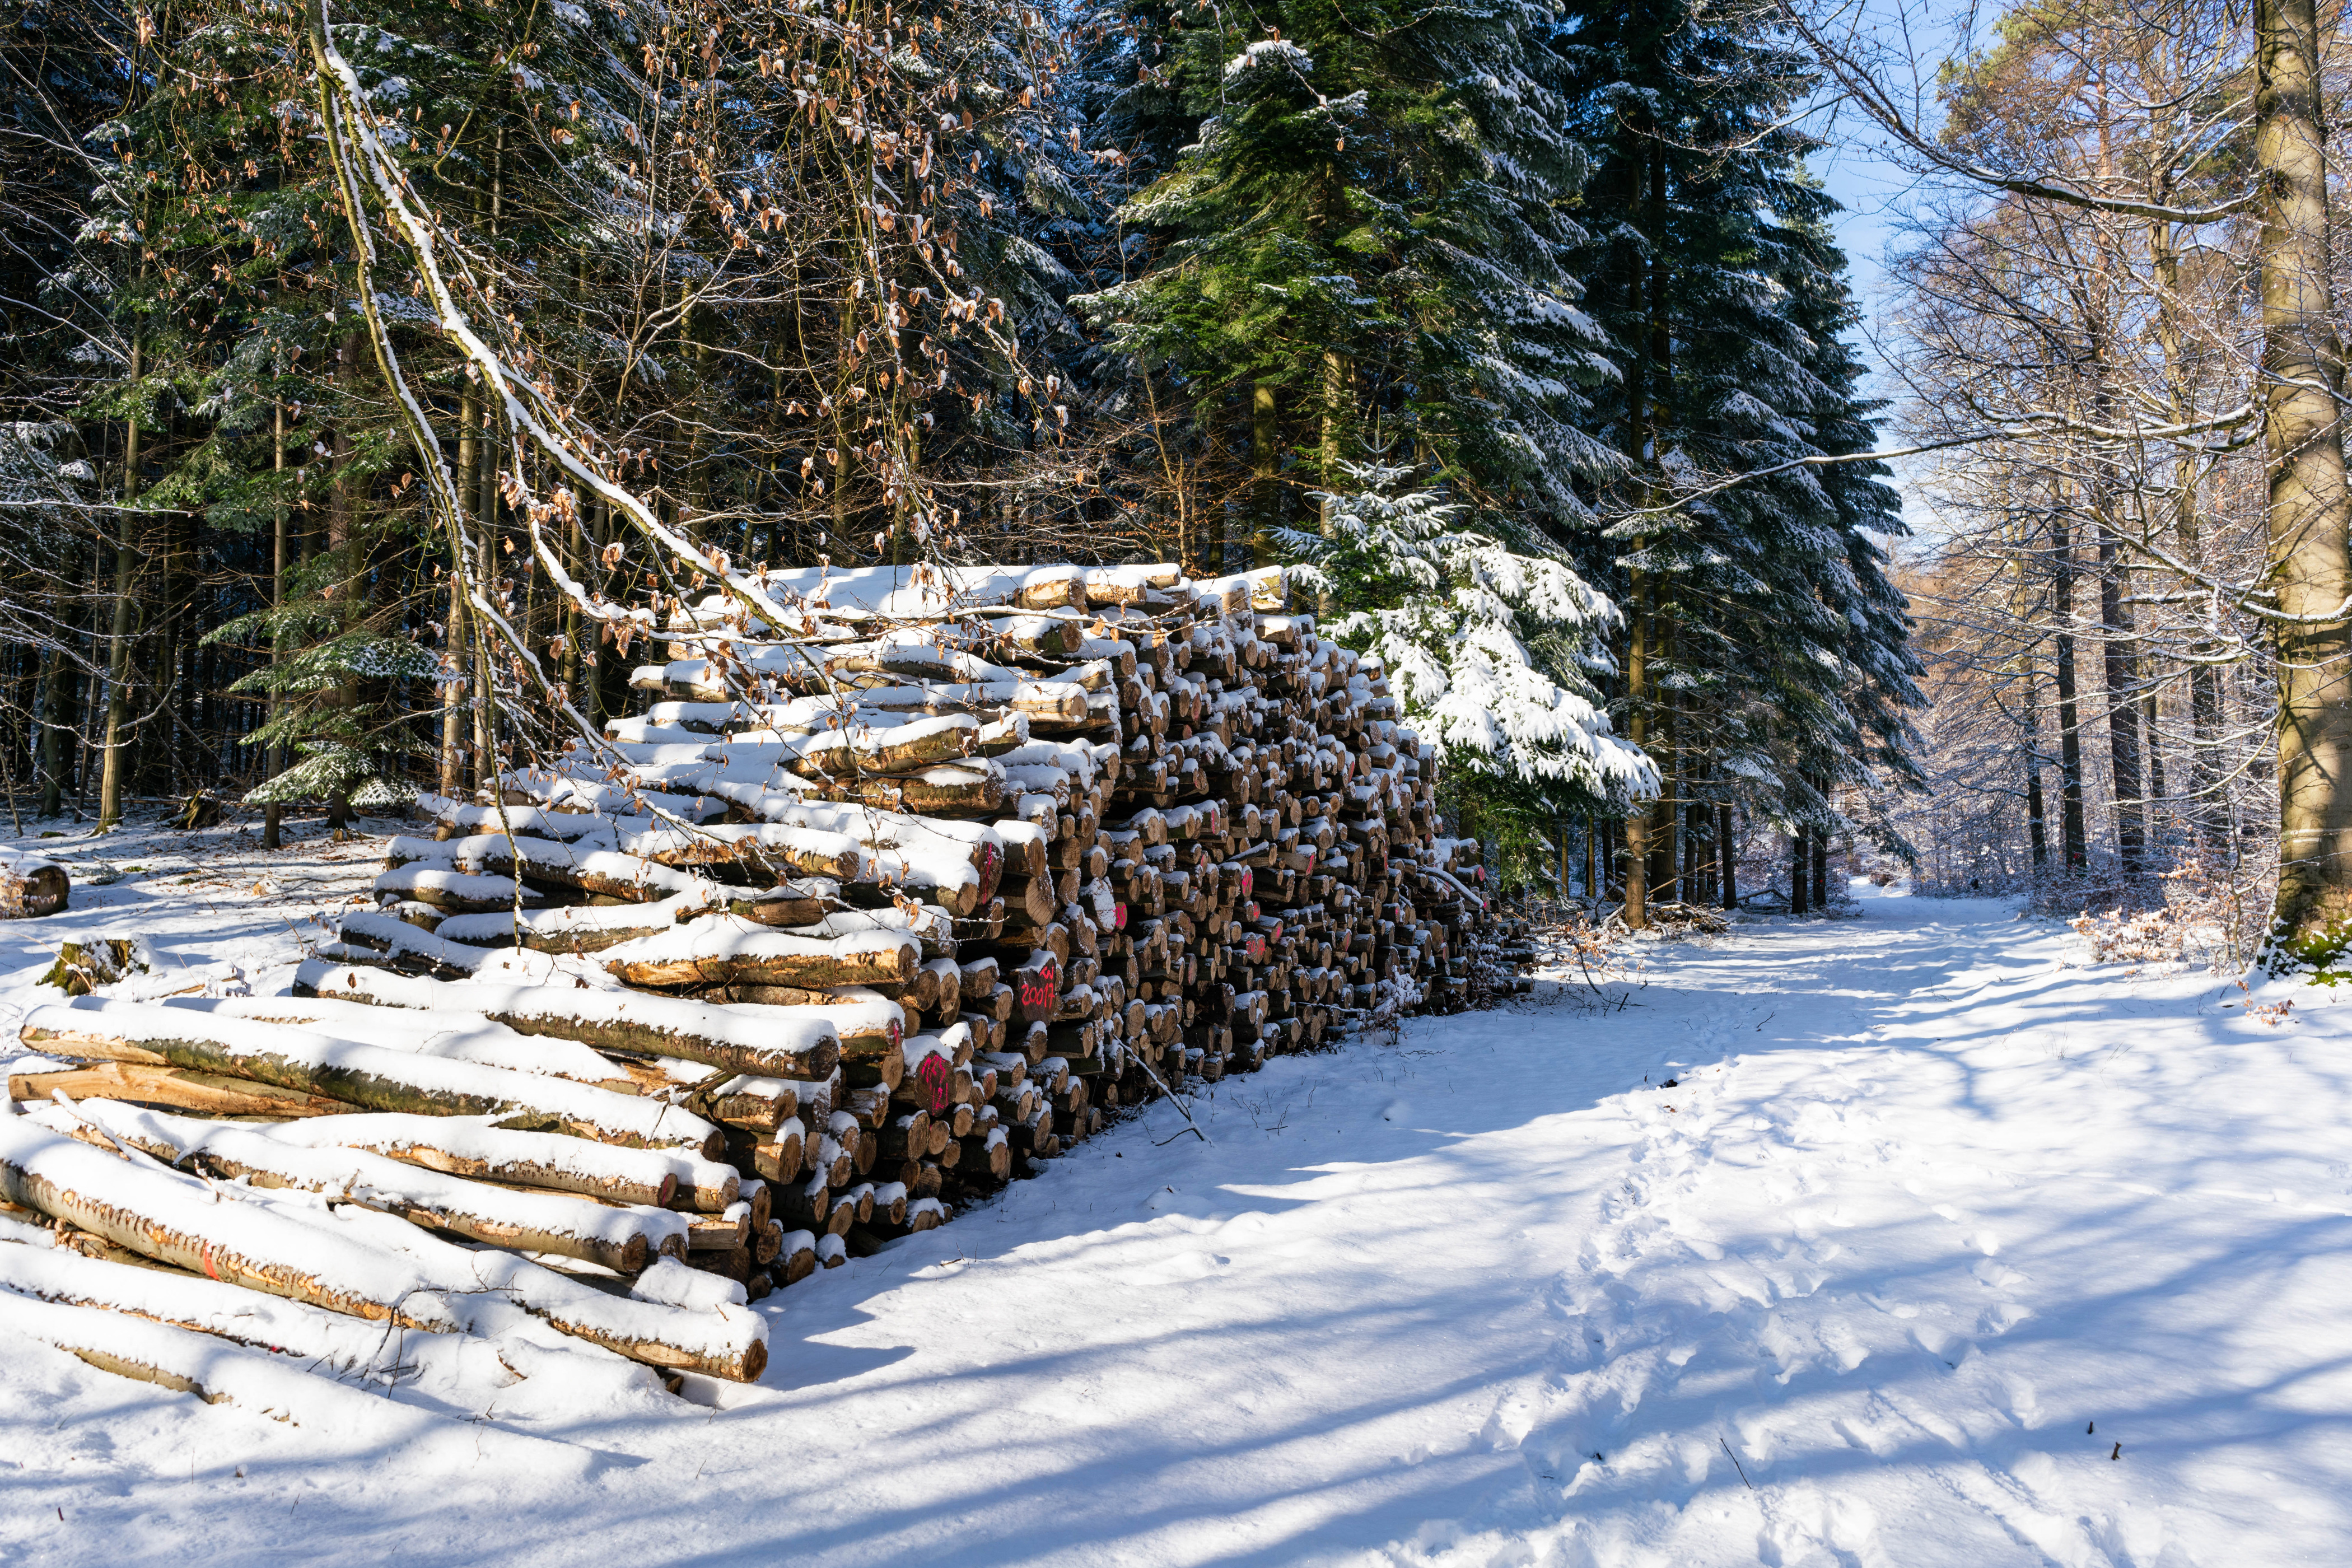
1759,622
1356,238
1455,616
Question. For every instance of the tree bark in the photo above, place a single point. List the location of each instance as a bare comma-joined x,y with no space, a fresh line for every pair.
2073,835
1637,731
274,812
1727,853
1266,462
2307,512
2116,668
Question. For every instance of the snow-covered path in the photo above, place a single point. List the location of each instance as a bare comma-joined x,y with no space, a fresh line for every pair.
1921,1209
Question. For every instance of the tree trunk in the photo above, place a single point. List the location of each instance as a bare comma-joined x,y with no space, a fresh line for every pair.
54,701
342,549
2073,836
118,664
2037,829
2116,667
2308,511
1799,863
1727,853
2210,813
1637,731
273,813
1265,460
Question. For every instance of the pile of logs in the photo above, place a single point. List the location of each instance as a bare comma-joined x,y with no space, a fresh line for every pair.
862,916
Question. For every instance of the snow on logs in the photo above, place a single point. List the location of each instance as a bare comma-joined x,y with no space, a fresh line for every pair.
351,1260
374,1078
878,911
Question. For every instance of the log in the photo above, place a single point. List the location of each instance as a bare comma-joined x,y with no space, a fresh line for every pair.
474,1148
368,1076
590,870
348,1262
407,949
185,1363
173,1088
309,1347
458,1040
800,1043
454,892
578,928
950,791
622,1239
1037,987
1029,900
31,886
780,849
721,952
853,753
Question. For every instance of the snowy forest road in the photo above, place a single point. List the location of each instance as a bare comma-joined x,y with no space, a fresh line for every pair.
1935,1250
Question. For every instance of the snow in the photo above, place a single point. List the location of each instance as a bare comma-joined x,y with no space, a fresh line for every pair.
715,938
335,1063
766,1032
1926,1200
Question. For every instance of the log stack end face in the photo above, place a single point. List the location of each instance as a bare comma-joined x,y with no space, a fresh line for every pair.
31,885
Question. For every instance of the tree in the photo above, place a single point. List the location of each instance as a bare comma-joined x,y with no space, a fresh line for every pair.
1450,613
1361,243
2307,583
1763,647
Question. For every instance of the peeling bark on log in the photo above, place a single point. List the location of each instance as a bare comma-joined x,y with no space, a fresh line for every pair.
173,1088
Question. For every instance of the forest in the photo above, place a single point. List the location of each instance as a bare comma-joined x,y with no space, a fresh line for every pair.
379,387
1446,310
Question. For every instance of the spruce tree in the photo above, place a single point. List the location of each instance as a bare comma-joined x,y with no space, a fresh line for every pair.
1760,621
1356,245
1355,284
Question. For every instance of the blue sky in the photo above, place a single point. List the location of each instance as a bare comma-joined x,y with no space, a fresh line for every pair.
1874,188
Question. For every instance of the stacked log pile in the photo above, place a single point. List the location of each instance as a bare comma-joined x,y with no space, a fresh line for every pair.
860,917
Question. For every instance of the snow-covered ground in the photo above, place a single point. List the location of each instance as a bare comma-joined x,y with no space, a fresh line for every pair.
1937,1250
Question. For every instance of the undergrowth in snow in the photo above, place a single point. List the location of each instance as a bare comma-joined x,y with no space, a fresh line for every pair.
1913,1241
